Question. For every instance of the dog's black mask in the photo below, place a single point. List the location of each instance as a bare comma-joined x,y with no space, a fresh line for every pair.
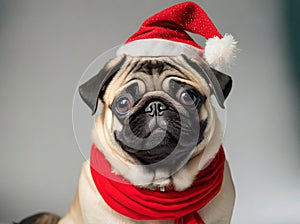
153,131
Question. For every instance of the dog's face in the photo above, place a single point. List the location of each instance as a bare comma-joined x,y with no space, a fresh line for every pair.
156,111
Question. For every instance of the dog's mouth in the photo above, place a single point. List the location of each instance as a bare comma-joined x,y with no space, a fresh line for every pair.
158,130
158,145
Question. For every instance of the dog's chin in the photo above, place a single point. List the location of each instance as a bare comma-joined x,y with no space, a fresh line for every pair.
157,148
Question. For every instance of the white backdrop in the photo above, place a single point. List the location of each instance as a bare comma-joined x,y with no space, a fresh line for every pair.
46,45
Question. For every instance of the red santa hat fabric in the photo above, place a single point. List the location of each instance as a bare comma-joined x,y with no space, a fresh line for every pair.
165,34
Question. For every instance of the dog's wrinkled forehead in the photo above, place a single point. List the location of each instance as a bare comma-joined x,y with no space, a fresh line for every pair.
154,73
150,74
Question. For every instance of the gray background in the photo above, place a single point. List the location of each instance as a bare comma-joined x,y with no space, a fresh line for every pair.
46,45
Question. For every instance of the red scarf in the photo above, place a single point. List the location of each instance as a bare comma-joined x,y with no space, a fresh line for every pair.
144,204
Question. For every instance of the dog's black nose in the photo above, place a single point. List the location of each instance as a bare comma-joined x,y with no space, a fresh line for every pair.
155,108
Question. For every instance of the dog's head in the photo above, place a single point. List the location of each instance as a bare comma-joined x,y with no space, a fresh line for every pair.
157,111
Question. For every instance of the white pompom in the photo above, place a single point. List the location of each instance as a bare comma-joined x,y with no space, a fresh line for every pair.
219,53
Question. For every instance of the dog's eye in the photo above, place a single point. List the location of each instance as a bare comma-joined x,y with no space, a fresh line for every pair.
123,105
187,98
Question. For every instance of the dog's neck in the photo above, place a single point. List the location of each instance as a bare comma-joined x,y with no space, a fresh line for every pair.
137,175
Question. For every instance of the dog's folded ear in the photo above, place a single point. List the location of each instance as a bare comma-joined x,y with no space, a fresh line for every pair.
94,88
225,82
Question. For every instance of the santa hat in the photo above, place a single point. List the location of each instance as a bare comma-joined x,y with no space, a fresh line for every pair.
164,34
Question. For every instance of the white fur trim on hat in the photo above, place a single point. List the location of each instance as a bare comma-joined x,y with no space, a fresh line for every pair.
159,47
220,52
